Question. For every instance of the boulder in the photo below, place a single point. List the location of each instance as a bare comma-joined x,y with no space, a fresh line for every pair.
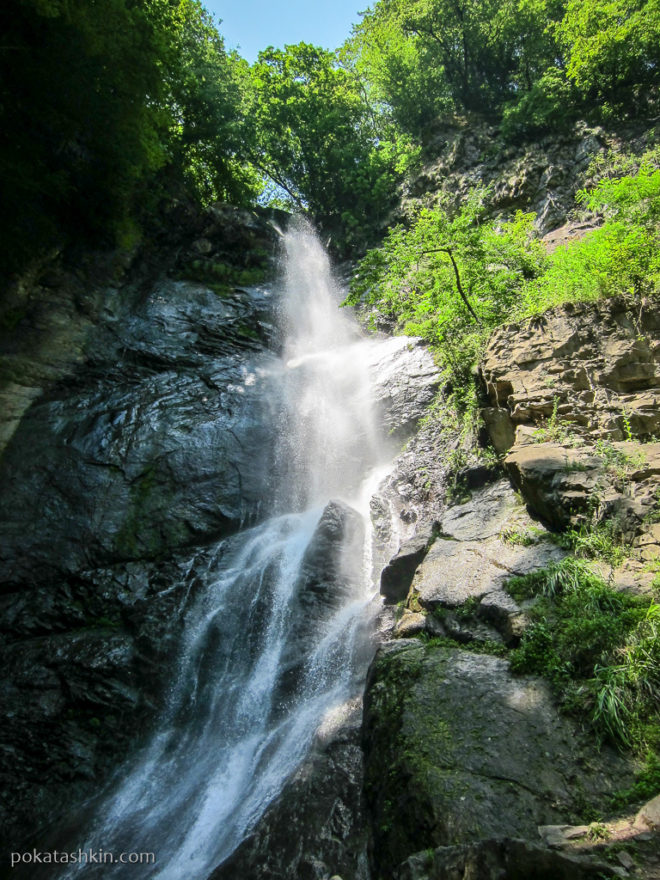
330,572
648,818
459,751
398,574
567,486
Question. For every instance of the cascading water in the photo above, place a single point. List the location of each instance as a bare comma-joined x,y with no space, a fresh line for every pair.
276,639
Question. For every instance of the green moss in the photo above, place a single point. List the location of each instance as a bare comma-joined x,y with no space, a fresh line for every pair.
521,537
250,332
477,646
143,533
221,277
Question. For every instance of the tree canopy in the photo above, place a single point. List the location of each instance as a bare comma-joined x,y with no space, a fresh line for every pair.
101,101
107,108
317,137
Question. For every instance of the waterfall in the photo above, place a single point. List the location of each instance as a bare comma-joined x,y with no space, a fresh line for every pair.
275,641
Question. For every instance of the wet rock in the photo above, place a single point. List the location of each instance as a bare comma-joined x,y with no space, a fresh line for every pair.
330,572
458,750
85,664
406,380
129,433
155,445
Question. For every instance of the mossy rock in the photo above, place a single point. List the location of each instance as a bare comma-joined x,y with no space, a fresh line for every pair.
458,750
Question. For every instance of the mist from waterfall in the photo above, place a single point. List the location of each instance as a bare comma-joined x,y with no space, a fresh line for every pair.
257,671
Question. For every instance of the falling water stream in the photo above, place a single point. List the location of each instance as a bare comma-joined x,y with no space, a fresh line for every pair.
258,672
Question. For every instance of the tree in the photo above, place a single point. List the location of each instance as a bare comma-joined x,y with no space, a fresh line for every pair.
102,106
319,140
206,95
472,54
613,51
390,62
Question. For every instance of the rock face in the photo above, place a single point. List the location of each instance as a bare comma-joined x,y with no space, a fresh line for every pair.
574,400
157,443
405,380
460,755
497,859
132,434
596,365
542,175
568,486
330,569
458,750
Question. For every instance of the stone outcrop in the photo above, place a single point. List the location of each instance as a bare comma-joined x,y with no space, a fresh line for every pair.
568,486
458,750
463,760
405,381
499,858
540,175
574,403
328,575
588,370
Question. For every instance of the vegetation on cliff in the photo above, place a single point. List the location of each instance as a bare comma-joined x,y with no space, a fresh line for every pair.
454,274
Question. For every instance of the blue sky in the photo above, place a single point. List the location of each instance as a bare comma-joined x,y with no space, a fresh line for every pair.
251,25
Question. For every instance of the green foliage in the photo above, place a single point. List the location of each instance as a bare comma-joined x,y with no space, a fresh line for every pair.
104,108
596,541
599,648
428,57
647,781
621,257
321,142
613,51
549,104
390,62
535,64
450,277
628,685
521,537
207,90
554,580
